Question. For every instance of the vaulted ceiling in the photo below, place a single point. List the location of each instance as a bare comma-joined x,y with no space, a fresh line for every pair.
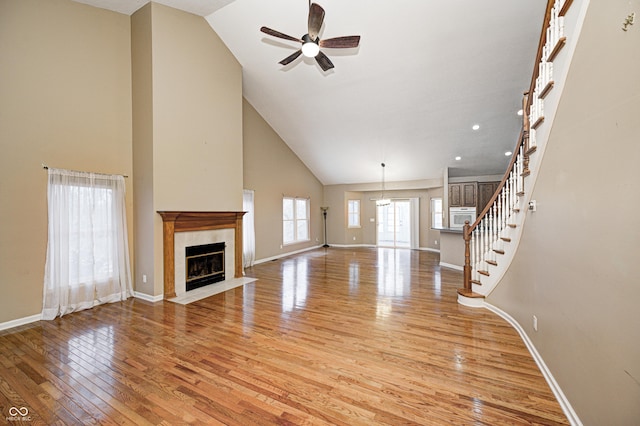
425,72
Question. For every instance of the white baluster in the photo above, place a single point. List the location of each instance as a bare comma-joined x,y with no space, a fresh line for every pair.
486,239
532,138
512,193
481,251
490,235
494,236
521,167
505,191
476,241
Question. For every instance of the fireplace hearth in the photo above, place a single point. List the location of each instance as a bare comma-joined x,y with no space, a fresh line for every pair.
204,265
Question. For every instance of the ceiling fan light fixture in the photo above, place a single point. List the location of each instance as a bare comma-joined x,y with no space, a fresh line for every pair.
310,48
382,201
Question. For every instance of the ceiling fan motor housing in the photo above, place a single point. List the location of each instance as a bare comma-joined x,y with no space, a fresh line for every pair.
310,47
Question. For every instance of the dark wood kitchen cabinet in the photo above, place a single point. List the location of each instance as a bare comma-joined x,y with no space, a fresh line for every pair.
485,192
463,194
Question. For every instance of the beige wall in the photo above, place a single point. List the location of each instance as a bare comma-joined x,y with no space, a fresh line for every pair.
272,170
142,110
65,100
188,150
577,267
337,196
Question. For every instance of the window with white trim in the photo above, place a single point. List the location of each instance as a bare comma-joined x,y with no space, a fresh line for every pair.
295,220
436,213
353,213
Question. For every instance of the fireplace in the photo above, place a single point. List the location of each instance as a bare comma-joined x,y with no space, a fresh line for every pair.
204,265
179,223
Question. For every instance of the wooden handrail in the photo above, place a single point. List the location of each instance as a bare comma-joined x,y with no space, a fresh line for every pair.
469,228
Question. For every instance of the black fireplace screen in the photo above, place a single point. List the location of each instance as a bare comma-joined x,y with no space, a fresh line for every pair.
204,265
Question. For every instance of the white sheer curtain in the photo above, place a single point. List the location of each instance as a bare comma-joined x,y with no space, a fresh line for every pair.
87,251
248,230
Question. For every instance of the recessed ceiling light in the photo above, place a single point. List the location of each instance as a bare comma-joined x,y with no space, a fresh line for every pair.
458,158
476,127
508,153
520,112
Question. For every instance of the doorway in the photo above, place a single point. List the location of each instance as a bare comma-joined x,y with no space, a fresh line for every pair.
394,224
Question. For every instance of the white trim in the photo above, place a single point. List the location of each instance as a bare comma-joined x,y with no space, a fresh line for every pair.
429,249
555,388
268,259
20,321
471,302
147,297
352,245
452,266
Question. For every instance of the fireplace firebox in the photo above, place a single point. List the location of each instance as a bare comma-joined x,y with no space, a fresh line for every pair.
204,265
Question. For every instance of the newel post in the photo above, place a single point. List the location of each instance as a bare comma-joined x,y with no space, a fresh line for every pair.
467,256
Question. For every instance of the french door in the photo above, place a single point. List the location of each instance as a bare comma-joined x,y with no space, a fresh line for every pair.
394,224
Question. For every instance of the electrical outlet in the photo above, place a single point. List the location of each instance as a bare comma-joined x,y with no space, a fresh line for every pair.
436,242
354,238
535,323
144,278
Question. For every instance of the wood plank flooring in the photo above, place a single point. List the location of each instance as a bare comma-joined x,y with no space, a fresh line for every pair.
332,336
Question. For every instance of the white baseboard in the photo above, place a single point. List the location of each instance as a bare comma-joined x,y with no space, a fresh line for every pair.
20,321
147,297
449,265
352,245
555,388
429,249
268,259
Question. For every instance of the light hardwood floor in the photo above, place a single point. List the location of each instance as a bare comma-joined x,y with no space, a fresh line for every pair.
332,336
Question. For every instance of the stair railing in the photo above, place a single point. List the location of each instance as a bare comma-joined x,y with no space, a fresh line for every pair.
486,237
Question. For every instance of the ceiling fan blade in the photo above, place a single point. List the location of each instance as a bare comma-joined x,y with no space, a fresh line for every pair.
324,62
290,58
279,34
316,17
341,42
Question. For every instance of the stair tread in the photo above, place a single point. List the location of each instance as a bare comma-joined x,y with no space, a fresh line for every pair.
512,225
486,273
498,251
477,282
506,239
468,293
492,262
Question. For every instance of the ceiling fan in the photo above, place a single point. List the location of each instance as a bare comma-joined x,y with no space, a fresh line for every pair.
311,43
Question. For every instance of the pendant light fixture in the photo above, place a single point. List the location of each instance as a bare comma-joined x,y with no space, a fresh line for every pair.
383,201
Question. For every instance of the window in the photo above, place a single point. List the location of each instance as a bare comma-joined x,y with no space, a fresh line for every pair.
436,212
295,220
87,259
248,229
353,213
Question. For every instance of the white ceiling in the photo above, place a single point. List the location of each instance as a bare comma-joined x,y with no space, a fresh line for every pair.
425,72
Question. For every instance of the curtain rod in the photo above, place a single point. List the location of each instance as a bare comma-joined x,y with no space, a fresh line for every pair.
44,166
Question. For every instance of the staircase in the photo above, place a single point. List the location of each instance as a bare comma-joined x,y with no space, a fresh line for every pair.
491,241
